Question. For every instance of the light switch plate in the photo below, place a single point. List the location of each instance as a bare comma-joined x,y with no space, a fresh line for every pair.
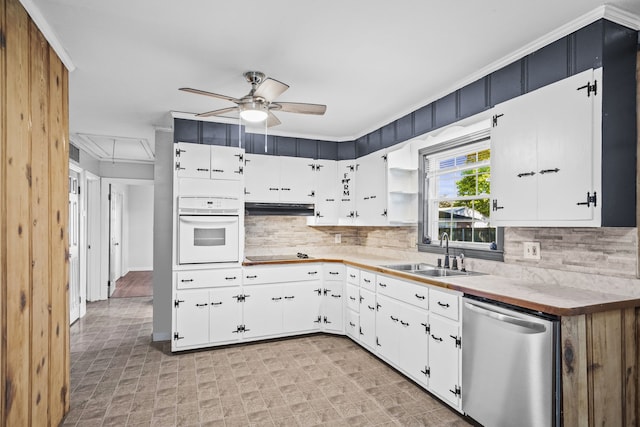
531,250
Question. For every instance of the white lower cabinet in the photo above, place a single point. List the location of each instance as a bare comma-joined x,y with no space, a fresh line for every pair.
368,319
352,328
300,307
444,359
262,311
333,307
225,315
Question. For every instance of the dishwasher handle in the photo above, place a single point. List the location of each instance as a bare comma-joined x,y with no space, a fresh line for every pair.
505,318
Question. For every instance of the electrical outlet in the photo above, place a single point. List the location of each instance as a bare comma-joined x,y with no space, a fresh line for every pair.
531,250
337,238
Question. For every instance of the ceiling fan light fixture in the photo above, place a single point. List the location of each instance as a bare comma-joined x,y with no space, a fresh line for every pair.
253,111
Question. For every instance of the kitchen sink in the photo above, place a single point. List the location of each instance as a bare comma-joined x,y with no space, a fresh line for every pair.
429,270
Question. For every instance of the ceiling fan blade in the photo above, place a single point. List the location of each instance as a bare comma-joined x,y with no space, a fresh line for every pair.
272,120
219,112
270,89
299,107
204,92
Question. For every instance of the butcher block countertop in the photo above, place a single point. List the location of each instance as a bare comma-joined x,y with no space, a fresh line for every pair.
551,299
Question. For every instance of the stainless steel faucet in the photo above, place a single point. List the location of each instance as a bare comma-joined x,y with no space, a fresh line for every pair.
446,252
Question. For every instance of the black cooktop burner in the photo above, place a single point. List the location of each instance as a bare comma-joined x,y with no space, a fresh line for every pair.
287,257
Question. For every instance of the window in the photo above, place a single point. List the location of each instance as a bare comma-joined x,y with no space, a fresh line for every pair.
456,195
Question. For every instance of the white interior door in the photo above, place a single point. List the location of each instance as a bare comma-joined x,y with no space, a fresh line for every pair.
74,244
115,238
93,238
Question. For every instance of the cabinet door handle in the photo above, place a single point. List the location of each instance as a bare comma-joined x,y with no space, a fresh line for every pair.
395,319
312,272
520,175
334,273
383,285
292,297
276,298
366,280
404,323
251,277
419,296
352,298
202,170
217,170
371,308
436,338
273,189
216,303
443,305
543,171
336,296
353,325
285,189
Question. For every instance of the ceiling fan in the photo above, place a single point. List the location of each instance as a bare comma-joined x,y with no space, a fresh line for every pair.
258,104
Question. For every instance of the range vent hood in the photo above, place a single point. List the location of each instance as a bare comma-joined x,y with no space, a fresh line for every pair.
284,209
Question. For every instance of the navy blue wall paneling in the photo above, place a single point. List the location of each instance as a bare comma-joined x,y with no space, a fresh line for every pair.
506,83
347,150
446,110
285,146
423,120
328,150
186,131
548,65
374,142
388,135
473,98
214,133
307,148
404,128
619,127
588,47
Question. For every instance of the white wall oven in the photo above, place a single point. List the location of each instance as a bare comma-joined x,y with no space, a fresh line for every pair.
208,230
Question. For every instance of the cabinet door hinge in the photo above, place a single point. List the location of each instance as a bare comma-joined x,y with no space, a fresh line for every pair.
427,371
384,213
240,328
178,151
325,320
240,170
240,298
177,337
318,320
591,88
457,391
384,157
360,330
177,302
378,342
178,168
458,340
590,199
495,206
494,119
427,328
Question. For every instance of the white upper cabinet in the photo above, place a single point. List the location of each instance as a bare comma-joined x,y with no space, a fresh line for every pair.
371,194
346,192
273,179
326,193
402,186
208,161
546,155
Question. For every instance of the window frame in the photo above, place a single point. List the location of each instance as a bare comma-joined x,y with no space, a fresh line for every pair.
425,244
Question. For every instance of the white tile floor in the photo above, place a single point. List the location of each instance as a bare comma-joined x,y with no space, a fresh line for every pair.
120,378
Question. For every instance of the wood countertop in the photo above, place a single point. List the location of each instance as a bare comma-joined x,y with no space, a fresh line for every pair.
551,299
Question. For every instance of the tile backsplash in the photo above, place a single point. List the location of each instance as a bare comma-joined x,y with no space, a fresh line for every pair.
602,251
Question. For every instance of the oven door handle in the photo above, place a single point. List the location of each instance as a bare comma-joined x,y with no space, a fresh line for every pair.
213,220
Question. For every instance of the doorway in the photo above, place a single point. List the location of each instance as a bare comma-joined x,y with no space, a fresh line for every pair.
75,299
116,199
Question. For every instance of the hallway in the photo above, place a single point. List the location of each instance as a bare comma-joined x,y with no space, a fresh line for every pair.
118,378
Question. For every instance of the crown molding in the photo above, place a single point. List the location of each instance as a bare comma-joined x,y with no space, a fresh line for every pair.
48,33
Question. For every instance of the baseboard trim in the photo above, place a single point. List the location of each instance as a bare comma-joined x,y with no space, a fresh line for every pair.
160,336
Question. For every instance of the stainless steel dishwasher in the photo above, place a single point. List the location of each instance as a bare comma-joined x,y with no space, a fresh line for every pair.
509,359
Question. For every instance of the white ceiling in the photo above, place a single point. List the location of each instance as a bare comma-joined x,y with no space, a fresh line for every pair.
369,61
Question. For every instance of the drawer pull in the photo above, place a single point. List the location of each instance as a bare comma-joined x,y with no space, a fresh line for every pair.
353,325
382,284
216,303
443,304
186,280
353,276
404,323
334,273
419,296
292,297
230,278
352,298
395,319
276,298
371,308
312,272
202,305
336,296
366,280
251,277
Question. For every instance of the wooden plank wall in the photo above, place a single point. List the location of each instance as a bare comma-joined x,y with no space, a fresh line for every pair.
34,357
600,360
